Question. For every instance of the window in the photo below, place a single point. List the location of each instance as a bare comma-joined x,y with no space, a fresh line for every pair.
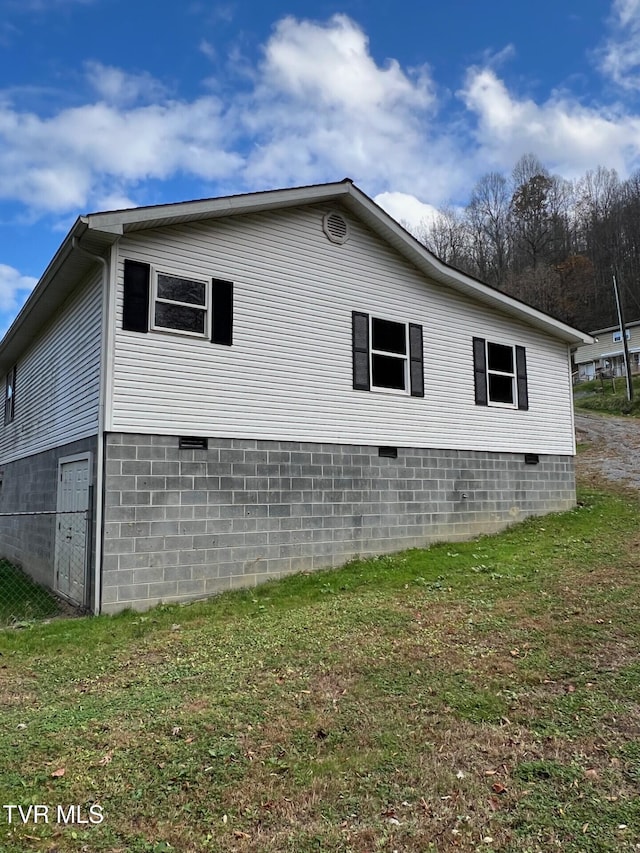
180,304
617,336
500,374
164,301
10,396
387,355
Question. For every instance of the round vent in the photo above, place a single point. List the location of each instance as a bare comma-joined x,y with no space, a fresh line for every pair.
335,227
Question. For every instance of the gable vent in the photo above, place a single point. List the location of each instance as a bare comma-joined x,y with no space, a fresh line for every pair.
335,227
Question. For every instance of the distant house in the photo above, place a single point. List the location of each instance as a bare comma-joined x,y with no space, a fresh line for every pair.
242,387
605,356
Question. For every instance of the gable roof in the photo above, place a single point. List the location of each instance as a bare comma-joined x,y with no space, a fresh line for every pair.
94,233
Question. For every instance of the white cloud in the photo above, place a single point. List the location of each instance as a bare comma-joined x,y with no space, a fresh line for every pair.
14,288
205,47
63,162
331,64
408,210
562,133
318,106
115,201
619,58
116,86
322,107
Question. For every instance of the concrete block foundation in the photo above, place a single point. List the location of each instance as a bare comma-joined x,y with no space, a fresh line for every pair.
182,523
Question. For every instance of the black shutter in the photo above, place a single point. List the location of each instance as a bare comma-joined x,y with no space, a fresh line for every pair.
521,376
222,306
480,371
416,368
135,309
360,345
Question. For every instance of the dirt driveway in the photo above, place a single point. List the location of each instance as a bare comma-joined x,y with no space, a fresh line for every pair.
612,448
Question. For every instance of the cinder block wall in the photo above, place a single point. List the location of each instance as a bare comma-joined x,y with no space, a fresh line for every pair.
182,524
30,485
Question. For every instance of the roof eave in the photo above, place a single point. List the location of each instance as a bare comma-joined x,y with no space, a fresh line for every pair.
421,257
118,222
50,292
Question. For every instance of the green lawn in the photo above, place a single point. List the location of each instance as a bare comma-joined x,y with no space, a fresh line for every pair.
477,696
608,396
21,599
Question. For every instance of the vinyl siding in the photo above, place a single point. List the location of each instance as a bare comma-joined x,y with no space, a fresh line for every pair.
58,379
288,375
606,346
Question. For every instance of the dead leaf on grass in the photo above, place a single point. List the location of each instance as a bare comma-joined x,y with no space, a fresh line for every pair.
106,759
58,773
498,788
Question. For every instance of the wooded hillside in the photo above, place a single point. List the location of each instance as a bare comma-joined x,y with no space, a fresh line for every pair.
551,242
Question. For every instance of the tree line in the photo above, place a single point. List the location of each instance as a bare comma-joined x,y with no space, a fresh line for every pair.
551,242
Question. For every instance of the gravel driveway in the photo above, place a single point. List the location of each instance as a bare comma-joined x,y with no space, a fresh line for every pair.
613,448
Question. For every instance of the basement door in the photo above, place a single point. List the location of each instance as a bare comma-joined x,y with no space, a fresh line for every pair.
72,527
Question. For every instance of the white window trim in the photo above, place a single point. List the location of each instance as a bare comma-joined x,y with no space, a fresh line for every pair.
10,399
378,389
617,336
206,308
513,376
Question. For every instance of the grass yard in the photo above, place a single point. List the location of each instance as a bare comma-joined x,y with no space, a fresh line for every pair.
22,600
608,396
477,696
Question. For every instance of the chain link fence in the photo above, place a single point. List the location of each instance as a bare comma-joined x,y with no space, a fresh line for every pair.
43,565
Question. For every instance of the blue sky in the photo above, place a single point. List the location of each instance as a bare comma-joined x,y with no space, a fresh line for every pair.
114,103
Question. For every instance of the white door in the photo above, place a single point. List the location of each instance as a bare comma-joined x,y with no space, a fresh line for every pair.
72,527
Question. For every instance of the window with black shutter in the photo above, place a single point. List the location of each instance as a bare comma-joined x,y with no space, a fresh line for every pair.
387,355
167,301
500,374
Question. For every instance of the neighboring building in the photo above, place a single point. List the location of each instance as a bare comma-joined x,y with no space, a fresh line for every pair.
605,356
242,387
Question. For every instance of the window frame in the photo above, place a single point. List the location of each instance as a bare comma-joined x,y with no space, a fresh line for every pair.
10,399
206,307
382,389
513,375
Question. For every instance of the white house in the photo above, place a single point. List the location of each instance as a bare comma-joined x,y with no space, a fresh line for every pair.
242,387
605,354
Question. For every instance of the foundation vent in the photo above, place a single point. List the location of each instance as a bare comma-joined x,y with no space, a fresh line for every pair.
192,442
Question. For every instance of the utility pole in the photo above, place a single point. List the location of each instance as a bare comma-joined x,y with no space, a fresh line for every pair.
625,345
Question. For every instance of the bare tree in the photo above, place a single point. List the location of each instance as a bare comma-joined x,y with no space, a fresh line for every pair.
488,216
446,236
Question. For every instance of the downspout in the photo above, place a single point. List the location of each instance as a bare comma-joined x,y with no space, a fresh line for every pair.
97,585
573,414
